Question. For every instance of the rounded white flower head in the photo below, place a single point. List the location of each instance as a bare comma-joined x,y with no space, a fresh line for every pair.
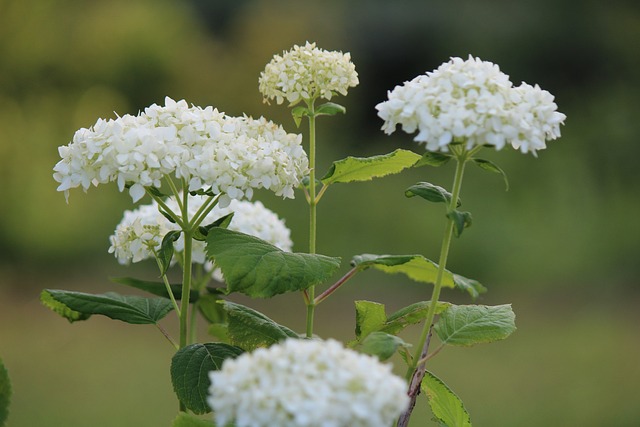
141,231
474,103
232,155
306,383
306,73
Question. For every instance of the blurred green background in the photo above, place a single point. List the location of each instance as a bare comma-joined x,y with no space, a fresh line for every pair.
562,244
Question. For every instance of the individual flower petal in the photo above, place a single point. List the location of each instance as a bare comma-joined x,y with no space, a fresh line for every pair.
308,383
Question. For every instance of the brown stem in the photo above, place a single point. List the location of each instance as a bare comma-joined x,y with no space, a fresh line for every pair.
416,380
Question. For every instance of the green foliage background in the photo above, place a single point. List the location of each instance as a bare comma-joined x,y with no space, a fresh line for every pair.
562,244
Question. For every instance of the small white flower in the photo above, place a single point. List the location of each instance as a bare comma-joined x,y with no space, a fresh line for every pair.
306,73
306,383
232,155
474,103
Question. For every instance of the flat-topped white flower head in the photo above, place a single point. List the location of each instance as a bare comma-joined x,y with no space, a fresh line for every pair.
141,230
306,383
474,103
307,73
232,155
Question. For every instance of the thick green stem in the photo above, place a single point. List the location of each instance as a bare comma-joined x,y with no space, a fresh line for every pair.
311,305
186,289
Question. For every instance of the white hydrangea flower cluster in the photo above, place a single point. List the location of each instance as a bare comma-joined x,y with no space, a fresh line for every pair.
306,73
472,102
233,155
141,231
308,383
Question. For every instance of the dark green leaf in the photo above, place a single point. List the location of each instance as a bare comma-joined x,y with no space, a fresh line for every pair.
433,159
189,420
416,267
298,113
410,315
222,222
382,345
370,317
472,287
461,220
202,192
353,169
250,329
330,109
155,191
211,309
190,368
129,309
167,215
492,167
155,288
445,404
166,250
430,192
466,325
260,270
5,394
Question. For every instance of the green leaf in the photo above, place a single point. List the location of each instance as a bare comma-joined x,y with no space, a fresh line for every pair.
433,159
330,109
445,404
155,191
466,325
190,368
155,288
129,309
211,309
188,420
370,317
260,270
165,254
416,267
5,394
354,169
58,307
382,345
202,192
430,192
250,329
203,230
492,167
298,113
461,220
410,315
472,287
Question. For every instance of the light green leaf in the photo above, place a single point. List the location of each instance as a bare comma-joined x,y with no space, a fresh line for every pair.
466,325
298,113
370,317
461,220
430,192
433,159
209,305
473,287
416,267
410,315
250,329
155,288
354,169
445,405
330,109
492,167
5,394
189,420
165,254
382,345
260,270
190,368
130,309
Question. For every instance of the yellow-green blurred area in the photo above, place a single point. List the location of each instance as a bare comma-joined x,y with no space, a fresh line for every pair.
562,244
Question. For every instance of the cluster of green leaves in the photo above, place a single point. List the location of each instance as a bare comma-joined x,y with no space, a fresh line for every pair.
258,269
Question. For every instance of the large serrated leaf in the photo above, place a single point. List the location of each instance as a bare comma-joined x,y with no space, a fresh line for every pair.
260,270
156,288
130,309
370,317
467,325
190,368
188,420
5,394
353,169
445,404
250,329
416,267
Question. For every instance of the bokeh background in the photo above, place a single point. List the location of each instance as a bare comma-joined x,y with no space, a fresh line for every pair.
562,244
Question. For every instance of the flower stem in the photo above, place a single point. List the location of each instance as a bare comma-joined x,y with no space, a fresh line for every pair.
311,305
416,370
